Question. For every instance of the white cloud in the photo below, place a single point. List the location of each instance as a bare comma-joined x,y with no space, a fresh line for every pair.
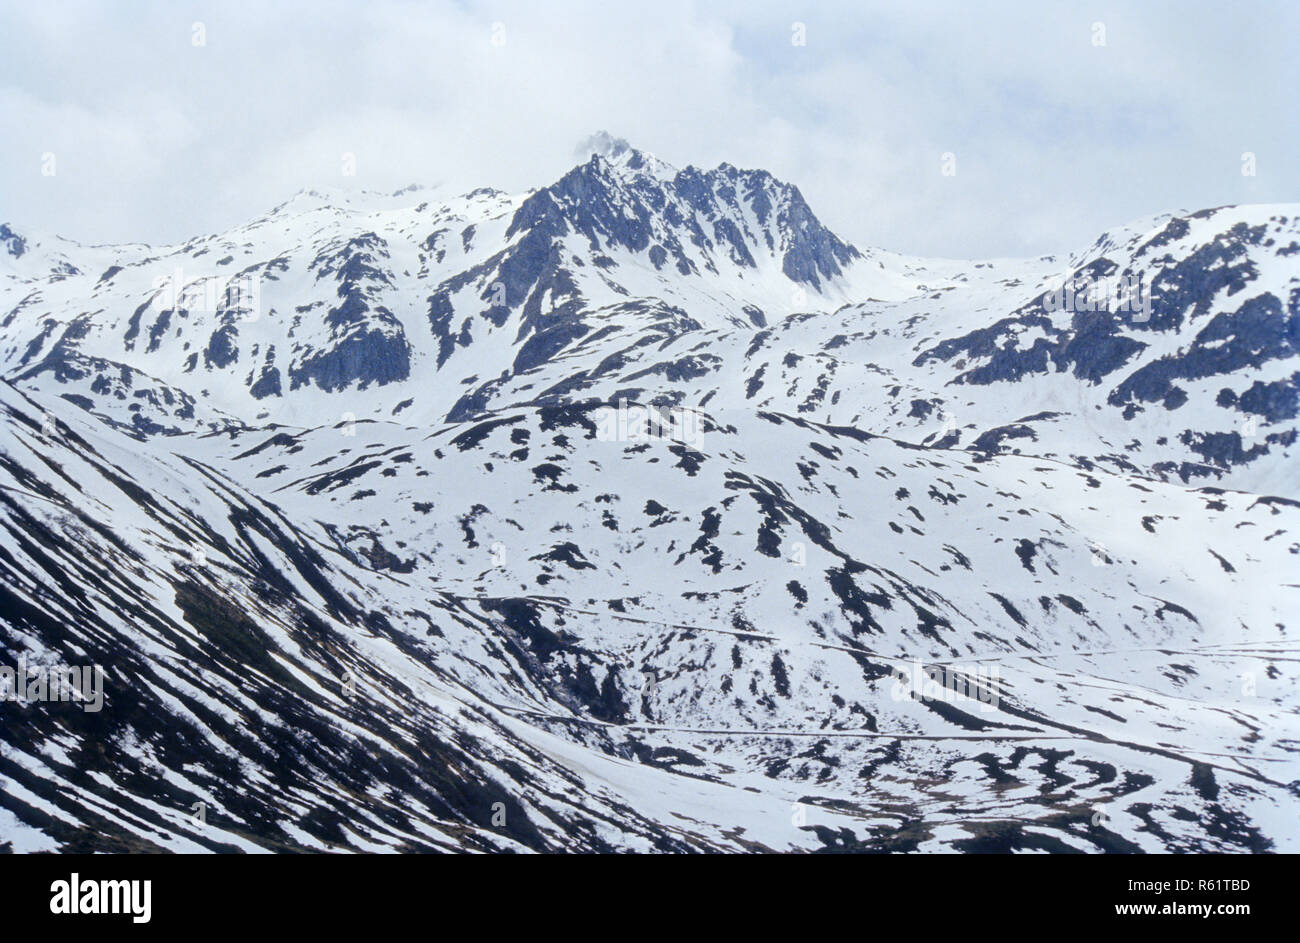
1056,139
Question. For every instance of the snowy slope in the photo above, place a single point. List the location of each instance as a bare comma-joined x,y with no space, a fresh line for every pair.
344,504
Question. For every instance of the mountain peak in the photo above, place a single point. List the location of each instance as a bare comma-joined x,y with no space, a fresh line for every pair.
603,149
604,144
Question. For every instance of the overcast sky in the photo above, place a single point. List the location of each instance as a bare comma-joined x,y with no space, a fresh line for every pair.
1055,137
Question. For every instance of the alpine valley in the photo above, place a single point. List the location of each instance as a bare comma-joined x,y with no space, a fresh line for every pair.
356,509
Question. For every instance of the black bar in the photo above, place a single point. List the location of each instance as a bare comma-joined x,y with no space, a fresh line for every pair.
321,892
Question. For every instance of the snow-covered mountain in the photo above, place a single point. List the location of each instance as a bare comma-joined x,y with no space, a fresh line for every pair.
357,508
